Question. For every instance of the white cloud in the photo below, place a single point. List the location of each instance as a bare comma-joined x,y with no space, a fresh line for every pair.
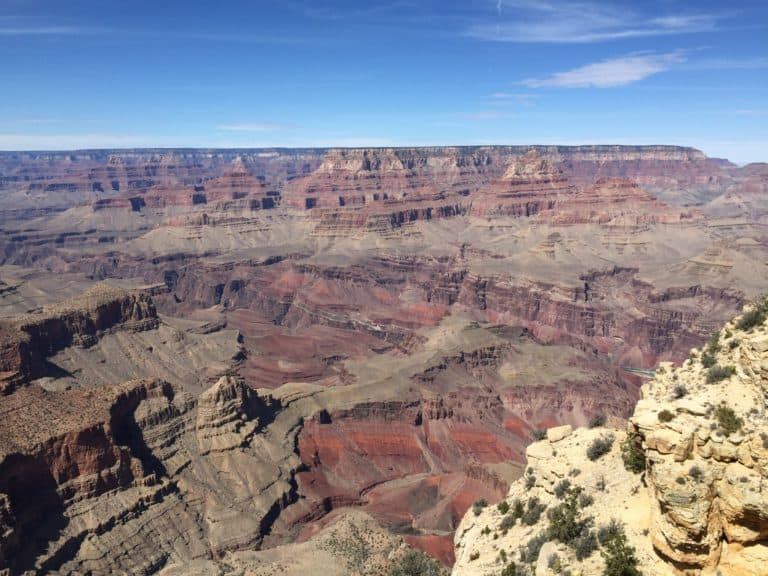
609,73
43,31
582,22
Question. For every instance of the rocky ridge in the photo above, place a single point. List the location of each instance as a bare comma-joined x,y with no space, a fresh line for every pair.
686,479
406,317
26,340
133,476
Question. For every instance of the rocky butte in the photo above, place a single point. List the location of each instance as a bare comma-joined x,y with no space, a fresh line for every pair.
272,360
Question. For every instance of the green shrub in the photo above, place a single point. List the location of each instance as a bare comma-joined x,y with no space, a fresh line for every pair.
507,522
415,563
554,563
561,488
755,317
539,435
600,447
474,556
727,419
584,544
632,453
707,360
478,506
714,343
718,373
597,420
533,511
517,508
666,416
509,570
586,500
679,391
565,520
608,531
503,507
530,552
619,556
530,481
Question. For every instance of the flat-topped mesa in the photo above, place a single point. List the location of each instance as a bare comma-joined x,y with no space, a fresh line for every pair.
26,340
620,153
681,492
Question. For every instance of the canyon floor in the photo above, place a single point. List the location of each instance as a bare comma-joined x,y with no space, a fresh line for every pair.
247,359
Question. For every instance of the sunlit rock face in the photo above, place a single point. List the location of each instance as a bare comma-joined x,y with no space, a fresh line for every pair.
312,330
695,505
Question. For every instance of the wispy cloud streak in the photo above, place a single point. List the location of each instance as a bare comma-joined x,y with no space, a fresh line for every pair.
45,31
580,22
609,73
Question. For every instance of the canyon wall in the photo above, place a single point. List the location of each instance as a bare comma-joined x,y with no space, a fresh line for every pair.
305,331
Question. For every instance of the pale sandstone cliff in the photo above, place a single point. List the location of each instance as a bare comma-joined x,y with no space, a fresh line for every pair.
700,506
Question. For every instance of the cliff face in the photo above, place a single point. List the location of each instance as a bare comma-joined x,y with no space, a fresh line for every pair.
27,340
708,465
686,479
394,324
127,477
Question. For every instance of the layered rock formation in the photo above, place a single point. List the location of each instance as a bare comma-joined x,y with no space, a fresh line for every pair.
29,339
131,477
393,324
686,480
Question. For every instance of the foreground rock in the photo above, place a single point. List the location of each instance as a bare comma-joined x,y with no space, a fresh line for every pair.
698,502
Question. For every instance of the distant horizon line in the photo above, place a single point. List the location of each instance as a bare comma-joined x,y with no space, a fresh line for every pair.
332,147
268,149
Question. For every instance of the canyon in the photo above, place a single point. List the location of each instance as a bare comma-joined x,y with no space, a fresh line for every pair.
250,358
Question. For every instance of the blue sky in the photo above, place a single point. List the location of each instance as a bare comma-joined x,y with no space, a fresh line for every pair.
118,73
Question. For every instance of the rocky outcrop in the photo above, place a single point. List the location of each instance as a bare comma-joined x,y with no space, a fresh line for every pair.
416,315
131,477
25,341
229,414
57,481
708,462
685,480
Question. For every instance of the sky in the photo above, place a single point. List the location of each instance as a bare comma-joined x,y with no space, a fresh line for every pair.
304,73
